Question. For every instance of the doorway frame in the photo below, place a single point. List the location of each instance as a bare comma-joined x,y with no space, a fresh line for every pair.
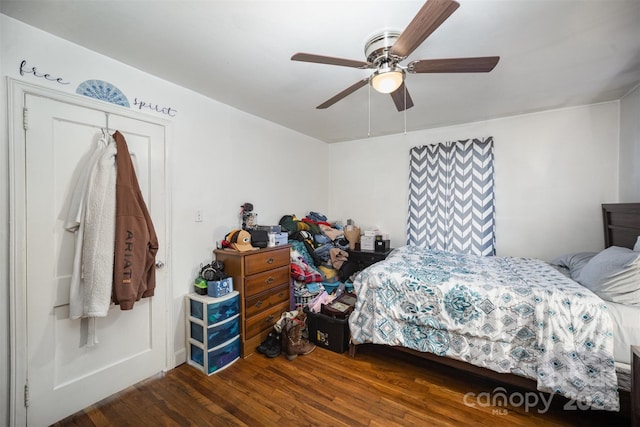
18,356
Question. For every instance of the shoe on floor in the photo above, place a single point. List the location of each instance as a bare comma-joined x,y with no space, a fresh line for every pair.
274,349
267,346
293,344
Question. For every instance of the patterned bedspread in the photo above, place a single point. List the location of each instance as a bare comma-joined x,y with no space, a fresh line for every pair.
510,315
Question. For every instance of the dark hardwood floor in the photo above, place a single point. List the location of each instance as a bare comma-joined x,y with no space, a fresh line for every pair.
379,387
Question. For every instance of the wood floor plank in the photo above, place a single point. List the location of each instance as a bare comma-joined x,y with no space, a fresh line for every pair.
378,387
209,411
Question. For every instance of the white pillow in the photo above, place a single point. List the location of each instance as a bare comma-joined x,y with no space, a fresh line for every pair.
613,275
636,247
574,262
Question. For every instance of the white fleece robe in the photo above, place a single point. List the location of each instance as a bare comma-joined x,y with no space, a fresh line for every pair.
75,224
99,235
92,217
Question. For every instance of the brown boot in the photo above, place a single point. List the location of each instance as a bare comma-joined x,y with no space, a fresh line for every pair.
293,344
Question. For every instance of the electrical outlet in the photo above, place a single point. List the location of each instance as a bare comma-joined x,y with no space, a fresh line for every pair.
199,215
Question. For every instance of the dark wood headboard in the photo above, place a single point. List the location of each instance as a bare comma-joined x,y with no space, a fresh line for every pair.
621,224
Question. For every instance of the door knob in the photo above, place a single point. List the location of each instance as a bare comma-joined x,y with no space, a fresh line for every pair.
159,264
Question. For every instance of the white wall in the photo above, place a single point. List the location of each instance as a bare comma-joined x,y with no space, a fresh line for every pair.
218,159
4,253
552,171
630,147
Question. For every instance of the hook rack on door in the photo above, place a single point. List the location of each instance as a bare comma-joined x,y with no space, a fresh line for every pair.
105,131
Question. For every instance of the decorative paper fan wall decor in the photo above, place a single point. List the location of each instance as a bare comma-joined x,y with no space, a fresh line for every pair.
103,91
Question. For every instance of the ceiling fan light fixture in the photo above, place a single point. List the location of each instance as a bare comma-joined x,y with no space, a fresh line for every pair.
388,79
386,49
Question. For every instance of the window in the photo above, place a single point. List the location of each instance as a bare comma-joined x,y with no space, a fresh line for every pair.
451,200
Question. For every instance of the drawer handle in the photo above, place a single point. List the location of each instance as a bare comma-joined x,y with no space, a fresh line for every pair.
281,294
270,280
259,303
270,261
269,319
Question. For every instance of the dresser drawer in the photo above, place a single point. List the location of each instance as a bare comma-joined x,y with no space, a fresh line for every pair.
262,301
256,303
279,294
263,261
265,281
265,320
364,259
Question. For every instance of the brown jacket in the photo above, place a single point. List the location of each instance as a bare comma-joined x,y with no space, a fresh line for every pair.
136,245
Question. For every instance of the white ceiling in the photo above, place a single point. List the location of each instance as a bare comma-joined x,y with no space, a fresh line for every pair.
553,54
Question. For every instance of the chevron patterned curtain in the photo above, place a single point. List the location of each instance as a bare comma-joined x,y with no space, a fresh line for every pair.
451,201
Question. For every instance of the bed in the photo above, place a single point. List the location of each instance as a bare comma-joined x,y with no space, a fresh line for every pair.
518,320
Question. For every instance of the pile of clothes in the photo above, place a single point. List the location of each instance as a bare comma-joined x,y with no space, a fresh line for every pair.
319,257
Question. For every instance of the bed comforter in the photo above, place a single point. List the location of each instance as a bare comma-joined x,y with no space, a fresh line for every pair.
510,315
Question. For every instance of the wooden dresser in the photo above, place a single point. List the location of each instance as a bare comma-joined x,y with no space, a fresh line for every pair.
262,278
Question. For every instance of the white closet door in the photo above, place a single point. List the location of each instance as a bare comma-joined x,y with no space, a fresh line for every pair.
63,375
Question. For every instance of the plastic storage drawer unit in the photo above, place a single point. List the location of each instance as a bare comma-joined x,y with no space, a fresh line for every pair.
213,331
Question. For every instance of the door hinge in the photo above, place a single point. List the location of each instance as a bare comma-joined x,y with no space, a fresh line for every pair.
25,118
26,395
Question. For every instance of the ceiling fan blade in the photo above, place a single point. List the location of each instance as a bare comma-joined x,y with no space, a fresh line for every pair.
399,97
319,59
426,21
344,93
482,64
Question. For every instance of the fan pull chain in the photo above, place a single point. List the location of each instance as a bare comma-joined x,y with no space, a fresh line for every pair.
369,124
405,109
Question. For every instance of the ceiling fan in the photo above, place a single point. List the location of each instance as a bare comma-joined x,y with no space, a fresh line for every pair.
386,50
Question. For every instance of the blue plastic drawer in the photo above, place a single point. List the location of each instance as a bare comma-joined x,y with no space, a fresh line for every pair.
218,333
222,356
197,355
216,358
217,309
222,310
